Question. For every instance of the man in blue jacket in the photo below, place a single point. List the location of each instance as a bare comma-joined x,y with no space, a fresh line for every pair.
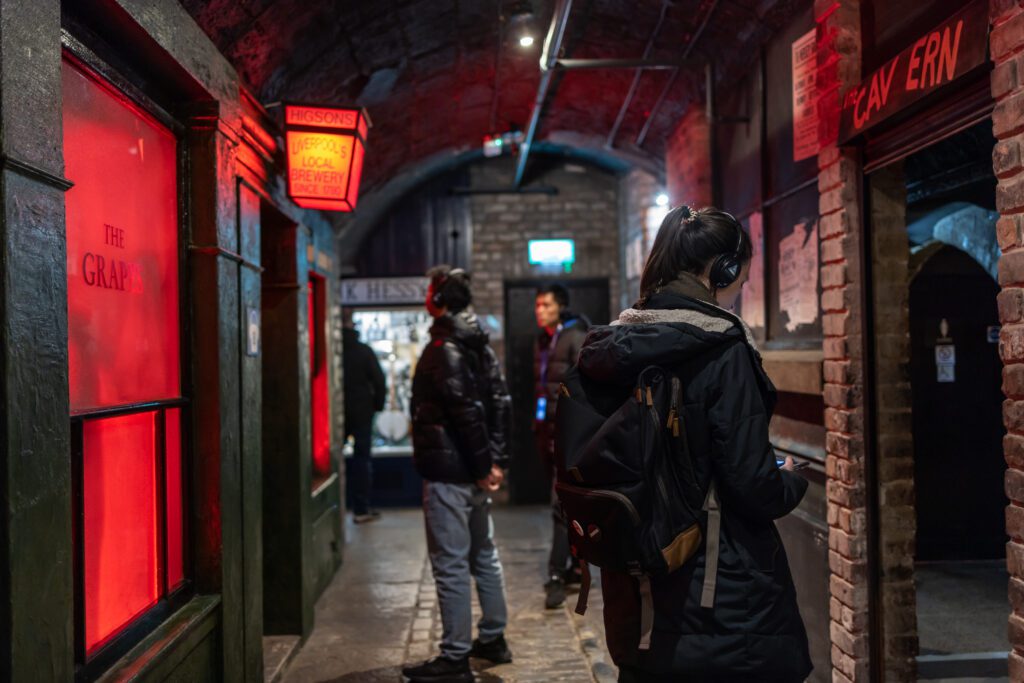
460,414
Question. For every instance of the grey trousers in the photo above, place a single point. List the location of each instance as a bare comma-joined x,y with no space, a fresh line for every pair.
460,541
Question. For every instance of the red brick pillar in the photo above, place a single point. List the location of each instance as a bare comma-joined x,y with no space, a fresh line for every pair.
838,35
1007,46
688,159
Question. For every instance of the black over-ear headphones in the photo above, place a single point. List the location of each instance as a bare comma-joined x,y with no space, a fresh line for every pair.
726,268
438,298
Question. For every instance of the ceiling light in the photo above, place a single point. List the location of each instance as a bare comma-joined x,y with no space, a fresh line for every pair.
526,41
661,199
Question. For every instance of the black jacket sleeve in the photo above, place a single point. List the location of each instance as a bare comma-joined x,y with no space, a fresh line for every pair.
376,380
464,410
748,479
500,409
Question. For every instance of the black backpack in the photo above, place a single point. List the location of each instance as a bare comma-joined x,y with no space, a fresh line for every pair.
627,486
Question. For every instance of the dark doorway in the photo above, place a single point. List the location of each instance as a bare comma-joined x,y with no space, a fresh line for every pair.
958,425
529,483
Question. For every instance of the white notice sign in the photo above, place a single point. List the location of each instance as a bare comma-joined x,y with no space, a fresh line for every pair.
798,275
805,101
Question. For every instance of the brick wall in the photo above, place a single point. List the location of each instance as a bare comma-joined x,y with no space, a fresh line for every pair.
1007,45
688,160
894,446
585,209
638,189
838,36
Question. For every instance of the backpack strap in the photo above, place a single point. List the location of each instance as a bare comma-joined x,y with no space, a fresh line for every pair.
581,601
646,608
714,510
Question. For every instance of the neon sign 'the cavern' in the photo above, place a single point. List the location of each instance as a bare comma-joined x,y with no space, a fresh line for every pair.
935,59
325,149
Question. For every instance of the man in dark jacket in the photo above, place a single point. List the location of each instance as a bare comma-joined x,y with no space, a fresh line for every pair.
364,396
460,414
753,632
559,341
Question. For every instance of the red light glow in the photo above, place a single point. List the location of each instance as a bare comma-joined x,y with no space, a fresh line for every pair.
175,509
120,523
320,407
122,248
325,149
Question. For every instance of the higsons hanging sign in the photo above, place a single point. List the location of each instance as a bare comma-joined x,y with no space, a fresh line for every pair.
325,148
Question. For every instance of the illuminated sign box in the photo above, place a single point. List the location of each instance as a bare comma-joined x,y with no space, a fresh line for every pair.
325,149
552,252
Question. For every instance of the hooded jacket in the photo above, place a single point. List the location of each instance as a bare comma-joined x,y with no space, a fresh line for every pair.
460,404
754,632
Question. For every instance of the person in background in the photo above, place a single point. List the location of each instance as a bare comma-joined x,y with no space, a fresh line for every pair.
460,415
559,341
365,390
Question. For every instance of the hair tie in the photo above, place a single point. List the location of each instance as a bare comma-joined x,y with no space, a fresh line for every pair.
691,214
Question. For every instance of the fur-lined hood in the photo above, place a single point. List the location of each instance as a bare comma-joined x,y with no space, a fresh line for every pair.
665,336
697,318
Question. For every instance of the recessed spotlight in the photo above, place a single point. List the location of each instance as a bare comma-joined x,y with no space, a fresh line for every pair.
661,199
526,41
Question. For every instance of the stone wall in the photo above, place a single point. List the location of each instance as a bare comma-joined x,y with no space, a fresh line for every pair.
638,190
838,37
894,443
1007,44
688,159
586,209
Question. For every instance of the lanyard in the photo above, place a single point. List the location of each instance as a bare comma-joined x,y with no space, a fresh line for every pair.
545,355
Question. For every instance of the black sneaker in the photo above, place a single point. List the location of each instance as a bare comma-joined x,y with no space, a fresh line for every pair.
555,592
440,670
494,651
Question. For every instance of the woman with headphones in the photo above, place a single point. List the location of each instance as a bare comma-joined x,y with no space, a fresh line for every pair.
752,630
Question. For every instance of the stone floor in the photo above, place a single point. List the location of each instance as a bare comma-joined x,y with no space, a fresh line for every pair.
380,610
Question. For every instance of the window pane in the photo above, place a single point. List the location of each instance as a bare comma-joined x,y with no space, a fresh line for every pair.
318,373
119,531
122,246
175,509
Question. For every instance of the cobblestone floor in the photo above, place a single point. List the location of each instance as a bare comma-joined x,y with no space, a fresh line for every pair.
380,611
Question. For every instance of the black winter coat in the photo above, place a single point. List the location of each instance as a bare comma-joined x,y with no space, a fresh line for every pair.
460,404
754,632
365,388
562,357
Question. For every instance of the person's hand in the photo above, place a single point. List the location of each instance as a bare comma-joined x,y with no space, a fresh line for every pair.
788,465
493,479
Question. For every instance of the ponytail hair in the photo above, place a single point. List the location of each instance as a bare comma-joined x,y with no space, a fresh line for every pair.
688,241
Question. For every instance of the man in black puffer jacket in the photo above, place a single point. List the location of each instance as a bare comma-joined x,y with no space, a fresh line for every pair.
460,414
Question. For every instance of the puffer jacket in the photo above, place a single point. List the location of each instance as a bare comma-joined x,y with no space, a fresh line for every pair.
562,357
754,632
460,404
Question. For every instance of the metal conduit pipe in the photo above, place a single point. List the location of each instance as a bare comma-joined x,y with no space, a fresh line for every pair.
636,77
642,135
548,58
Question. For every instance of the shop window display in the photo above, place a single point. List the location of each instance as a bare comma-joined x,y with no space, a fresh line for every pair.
397,336
124,348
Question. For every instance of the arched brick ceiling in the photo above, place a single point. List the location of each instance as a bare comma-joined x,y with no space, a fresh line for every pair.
434,75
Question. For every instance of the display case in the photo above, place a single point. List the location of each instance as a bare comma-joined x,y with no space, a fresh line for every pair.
397,337
389,316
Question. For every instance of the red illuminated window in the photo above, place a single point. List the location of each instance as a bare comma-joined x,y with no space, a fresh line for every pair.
124,367
319,408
